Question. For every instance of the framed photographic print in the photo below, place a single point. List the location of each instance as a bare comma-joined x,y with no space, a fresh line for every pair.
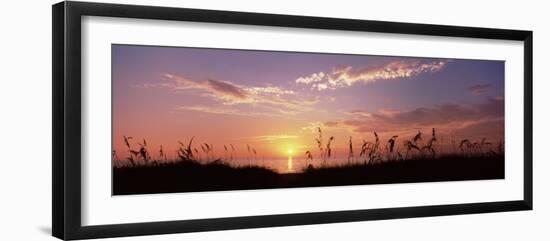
172,120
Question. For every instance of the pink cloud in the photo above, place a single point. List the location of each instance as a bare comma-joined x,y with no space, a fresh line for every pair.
223,90
276,99
451,117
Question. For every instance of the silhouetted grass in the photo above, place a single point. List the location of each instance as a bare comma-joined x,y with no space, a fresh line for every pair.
194,176
194,171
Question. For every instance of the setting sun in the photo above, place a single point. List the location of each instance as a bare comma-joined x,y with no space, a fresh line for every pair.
293,119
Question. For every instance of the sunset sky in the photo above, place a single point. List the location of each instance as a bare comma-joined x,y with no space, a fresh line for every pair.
273,101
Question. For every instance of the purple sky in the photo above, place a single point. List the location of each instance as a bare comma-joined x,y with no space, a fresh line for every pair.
273,100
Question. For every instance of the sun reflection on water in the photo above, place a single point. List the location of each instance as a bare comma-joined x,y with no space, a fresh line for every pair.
290,167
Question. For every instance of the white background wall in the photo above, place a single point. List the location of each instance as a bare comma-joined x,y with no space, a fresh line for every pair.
25,119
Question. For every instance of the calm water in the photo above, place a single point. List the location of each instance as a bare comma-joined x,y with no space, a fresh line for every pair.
289,165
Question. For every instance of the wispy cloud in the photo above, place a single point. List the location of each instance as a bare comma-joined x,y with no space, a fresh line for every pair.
360,113
225,91
343,76
277,99
315,77
278,91
220,111
478,89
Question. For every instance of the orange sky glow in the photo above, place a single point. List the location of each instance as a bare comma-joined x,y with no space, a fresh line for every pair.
274,102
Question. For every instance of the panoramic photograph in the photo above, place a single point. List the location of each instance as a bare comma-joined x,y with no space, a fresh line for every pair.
188,119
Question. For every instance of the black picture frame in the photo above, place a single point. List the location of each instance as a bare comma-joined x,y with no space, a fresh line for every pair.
66,159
